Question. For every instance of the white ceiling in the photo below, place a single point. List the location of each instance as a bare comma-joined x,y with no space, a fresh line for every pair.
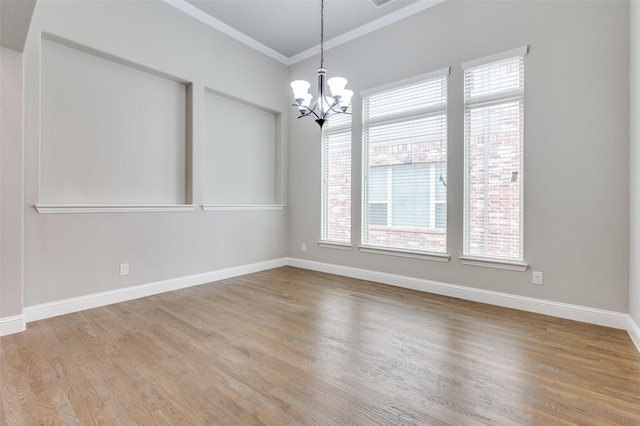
289,30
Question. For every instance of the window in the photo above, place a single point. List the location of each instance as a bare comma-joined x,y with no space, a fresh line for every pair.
493,147
405,165
336,180
393,202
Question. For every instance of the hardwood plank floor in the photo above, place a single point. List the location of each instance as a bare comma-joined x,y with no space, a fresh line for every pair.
289,346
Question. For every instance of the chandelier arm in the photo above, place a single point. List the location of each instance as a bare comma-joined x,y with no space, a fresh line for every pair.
333,108
307,114
312,109
309,111
334,112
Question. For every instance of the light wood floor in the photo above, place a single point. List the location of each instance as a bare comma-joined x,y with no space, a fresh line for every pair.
289,346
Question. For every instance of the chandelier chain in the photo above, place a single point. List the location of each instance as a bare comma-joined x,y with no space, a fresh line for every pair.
322,34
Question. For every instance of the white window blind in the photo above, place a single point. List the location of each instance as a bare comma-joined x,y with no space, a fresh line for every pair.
336,180
493,146
405,165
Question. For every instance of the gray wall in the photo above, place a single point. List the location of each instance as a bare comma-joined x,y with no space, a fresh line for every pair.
11,184
634,114
576,142
71,255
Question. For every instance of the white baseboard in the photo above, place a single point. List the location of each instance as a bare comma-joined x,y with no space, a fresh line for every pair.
62,307
562,310
14,324
634,332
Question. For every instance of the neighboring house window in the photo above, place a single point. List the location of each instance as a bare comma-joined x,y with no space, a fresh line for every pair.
405,165
336,180
394,201
493,155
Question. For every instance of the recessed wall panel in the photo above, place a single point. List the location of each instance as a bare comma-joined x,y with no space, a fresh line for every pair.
240,152
110,133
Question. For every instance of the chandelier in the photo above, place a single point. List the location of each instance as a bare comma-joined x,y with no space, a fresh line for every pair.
324,106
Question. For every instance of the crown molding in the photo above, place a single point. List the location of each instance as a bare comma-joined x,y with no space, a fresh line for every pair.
391,18
226,29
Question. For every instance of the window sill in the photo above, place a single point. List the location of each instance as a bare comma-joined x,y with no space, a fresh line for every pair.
413,254
494,263
111,208
240,207
335,245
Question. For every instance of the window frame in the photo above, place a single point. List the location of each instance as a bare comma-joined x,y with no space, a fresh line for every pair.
366,245
329,130
470,257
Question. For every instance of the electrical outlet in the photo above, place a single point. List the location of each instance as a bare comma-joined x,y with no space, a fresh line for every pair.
537,278
124,269
303,247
